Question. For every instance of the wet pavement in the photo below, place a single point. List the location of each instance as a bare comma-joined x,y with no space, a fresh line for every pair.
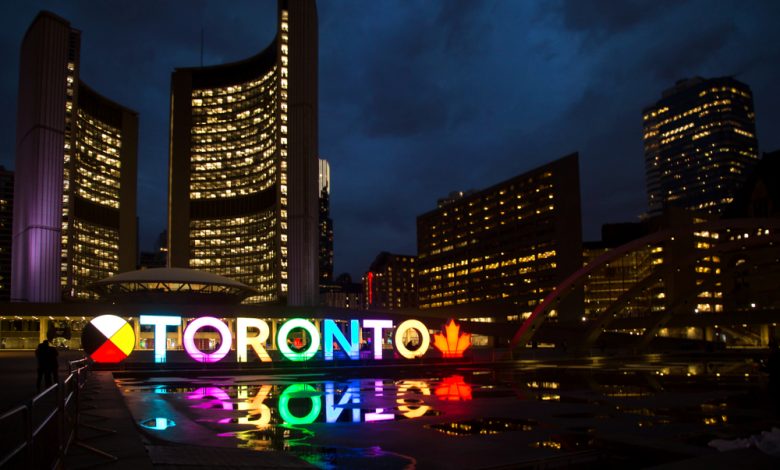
601,412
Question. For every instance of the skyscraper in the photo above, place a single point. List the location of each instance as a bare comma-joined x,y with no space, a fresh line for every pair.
75,191
512,242
242,196
391,282
700,143
326,226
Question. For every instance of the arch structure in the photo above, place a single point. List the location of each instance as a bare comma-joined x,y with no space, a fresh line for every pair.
730,242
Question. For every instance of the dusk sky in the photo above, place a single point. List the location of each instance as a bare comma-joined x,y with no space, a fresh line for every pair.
420,98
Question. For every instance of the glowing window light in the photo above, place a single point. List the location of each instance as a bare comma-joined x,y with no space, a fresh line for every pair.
377,326
299,391
160,322
242,341
425,339
332,332
284,332
189,339
351,395
403,407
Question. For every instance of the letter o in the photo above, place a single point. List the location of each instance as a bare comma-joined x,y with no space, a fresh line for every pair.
425,338
284,331
189,339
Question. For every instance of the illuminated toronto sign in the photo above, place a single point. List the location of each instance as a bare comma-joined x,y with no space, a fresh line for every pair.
297,339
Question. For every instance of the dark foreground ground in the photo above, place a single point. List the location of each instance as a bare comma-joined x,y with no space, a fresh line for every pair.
18,373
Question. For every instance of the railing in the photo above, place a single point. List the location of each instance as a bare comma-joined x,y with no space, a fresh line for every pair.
39,433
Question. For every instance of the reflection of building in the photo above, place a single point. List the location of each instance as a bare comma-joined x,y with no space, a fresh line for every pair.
243,165
513,242
75,192
390,282
6,222
700,144
326,225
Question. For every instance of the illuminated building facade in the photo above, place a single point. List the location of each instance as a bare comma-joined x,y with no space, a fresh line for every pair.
700,143
391,282
752,282
243,165
605,286
512,242
75,192
6,223
326,226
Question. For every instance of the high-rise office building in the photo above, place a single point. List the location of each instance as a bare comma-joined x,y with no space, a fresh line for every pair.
75,191
326,226
6,223
242,197
700,143
512,242
391,282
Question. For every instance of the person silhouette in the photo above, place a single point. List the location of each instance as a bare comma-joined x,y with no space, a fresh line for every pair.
47,364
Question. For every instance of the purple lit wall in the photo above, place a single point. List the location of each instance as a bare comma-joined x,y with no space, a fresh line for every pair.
40,142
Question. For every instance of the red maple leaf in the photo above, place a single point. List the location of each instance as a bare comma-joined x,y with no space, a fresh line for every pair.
454,343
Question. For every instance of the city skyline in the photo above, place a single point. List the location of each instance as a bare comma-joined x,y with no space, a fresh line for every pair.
406,110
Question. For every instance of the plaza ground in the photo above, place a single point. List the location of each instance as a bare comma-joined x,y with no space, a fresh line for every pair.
605,412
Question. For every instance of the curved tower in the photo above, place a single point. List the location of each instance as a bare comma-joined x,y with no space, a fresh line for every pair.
242,199
75,192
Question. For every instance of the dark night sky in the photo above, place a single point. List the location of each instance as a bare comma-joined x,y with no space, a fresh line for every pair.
420,98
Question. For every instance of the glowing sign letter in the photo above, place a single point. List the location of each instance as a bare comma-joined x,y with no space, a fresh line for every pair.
332,332
189,339
378,326
242,341
299,391
425,339
159,323
284,331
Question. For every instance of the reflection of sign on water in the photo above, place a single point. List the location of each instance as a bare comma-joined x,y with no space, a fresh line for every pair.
302,403
453,388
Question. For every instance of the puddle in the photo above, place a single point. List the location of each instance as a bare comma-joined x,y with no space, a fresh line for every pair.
566,442
270,437
341,457
158,424
483,426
